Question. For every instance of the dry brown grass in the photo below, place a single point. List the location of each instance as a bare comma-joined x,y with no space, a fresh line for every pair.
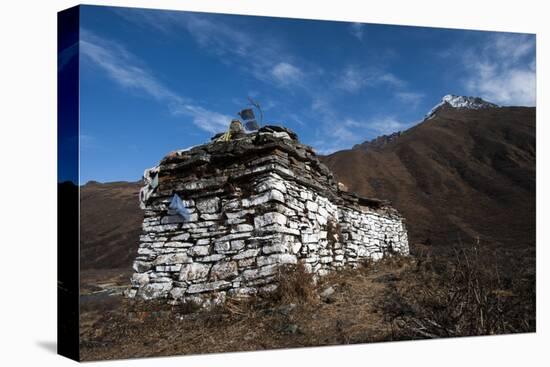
394,299
293,316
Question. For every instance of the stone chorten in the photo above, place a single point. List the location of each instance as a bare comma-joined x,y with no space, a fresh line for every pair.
252,202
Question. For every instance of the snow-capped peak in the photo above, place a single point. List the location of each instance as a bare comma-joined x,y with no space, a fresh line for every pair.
472,103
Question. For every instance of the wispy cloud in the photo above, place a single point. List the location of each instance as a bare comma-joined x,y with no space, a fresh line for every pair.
349,132
115,61
412,99
126,70
285,73
501,69
387,125
267,58
333,132
354,78
294,117
379,125
264,56
217,36
357,30
205,119
390,79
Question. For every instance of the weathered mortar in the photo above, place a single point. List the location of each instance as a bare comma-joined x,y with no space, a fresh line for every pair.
255,202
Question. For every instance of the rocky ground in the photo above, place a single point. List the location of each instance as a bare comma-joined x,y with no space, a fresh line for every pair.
346,310
384,301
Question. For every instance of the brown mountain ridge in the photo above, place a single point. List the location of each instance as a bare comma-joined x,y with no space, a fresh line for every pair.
110,224
462,174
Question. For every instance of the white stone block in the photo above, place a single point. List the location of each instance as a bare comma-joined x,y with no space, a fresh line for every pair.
210,258
140,279
199,251
275,248
224,270
154,290
247,254
276,259
244,228
207,287
269,218
237,245
208,206
312,206
259,273
181,237
194,271
171,259
310,237
271,184
178,244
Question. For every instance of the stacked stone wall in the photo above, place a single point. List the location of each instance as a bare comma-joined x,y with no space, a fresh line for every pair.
234,246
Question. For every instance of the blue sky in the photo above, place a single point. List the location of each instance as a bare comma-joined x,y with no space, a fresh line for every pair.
155,81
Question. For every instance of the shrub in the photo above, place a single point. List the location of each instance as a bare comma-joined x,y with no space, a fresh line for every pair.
295,285
463,296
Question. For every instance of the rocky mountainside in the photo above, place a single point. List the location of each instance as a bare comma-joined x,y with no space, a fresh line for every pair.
378,142
471,103
466,172
450,101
